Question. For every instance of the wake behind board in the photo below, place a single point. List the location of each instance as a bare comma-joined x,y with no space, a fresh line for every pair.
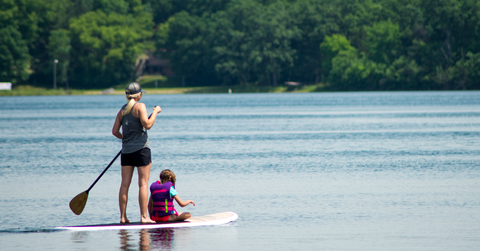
196,221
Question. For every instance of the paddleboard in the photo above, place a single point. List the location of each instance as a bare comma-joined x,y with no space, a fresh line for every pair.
195,221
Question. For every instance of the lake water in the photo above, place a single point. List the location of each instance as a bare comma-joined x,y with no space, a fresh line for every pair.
316,171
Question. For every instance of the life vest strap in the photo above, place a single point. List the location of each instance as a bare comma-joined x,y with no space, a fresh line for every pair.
162,203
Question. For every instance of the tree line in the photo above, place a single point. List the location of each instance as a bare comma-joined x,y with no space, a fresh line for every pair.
348,45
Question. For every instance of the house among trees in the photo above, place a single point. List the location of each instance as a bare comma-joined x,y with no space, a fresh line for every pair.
150,65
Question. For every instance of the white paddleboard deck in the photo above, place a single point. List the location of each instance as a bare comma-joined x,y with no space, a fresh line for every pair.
196,221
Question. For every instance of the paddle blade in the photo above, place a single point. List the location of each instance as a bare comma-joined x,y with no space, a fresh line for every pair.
77,204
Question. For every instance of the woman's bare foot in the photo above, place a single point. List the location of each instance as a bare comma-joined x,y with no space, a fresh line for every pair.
146,220
126,221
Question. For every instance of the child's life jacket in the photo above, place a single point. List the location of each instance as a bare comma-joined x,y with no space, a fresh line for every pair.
162,202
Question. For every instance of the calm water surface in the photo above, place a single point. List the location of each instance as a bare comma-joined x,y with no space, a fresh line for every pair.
320,171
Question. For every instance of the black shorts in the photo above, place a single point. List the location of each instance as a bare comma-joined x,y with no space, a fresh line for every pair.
139,158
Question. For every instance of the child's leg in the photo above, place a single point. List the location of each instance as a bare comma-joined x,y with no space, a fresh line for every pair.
180,217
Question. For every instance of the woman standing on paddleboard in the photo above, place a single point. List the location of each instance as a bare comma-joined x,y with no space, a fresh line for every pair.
134,121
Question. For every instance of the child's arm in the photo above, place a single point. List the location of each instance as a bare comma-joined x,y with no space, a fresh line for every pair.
183,203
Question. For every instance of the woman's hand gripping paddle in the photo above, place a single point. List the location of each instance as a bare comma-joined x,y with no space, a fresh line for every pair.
77,204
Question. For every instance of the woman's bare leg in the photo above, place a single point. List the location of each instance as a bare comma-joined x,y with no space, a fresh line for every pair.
127,173
143,177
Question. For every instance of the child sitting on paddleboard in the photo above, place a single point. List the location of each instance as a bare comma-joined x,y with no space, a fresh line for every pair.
162,195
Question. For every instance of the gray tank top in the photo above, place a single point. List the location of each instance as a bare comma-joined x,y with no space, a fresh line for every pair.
134,134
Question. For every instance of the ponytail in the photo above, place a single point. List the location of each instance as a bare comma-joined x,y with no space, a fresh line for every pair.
131,101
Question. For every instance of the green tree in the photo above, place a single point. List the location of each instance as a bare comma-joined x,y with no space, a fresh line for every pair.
271,35
248,42
472,71
14,57
315,20
402,74
451,27
347,70
163,9
235,49
352,73
357,14
231,51
382,42
189,46
14,54
331,47
107,46
45,16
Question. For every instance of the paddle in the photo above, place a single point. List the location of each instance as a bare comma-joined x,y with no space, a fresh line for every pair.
77,204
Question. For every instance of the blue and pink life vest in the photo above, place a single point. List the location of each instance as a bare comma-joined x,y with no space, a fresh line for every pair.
162,202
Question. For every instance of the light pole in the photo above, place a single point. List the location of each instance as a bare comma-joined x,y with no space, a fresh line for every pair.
55,74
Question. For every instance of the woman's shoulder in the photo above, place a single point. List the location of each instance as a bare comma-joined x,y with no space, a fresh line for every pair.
139,105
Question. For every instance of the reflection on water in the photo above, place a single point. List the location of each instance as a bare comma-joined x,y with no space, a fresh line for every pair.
144,240
147,239
79,237
126,240
162,238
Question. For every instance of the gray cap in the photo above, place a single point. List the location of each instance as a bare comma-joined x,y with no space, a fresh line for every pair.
134,88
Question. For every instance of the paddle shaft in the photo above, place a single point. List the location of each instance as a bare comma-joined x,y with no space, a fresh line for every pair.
113,160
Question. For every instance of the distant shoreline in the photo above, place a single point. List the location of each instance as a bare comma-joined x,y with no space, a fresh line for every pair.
27,90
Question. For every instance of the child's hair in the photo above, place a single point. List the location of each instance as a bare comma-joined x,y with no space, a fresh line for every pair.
167,175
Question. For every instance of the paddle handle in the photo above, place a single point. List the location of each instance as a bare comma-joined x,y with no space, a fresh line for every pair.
113,160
